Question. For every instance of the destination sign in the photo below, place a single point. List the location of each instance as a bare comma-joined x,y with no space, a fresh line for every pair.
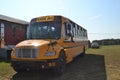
45,18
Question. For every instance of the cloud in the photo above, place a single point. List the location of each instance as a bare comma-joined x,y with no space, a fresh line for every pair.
95,17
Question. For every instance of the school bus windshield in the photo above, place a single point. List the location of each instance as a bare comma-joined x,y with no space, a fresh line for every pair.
44,30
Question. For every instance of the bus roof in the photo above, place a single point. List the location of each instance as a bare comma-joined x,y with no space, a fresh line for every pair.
6,18
56,17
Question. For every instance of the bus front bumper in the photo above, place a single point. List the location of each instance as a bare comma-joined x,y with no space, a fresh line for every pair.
35,64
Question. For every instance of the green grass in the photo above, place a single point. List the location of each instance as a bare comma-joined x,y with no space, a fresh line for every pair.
5,68
112,60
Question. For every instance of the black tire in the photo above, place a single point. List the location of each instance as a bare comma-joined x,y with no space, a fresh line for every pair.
83,53
59,69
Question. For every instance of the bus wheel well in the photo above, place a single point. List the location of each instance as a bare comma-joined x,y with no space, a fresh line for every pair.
63,53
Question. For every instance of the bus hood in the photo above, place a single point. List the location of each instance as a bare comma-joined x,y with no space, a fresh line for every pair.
35,43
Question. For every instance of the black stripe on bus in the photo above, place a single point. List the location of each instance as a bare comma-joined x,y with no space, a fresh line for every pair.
71,46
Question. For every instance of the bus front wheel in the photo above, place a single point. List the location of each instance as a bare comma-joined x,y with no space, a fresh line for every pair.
59,69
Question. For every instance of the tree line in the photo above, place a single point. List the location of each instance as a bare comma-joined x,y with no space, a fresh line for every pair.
108,42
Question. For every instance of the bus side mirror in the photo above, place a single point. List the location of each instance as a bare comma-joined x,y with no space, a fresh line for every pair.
71,36
68,28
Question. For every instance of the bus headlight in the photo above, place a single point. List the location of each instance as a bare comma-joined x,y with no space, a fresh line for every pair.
49,53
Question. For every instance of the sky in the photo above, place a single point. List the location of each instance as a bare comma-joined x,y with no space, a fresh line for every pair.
101,18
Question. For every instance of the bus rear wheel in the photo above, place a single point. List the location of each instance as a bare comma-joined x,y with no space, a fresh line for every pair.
83,53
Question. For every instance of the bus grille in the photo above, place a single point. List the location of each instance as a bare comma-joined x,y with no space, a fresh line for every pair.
27,52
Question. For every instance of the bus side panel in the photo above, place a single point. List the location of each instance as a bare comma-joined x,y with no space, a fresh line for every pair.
72,49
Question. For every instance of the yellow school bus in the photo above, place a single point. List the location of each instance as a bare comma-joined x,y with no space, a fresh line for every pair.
52,42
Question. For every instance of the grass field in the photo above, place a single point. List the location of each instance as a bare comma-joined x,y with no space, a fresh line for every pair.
5,70
112,60
87,68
